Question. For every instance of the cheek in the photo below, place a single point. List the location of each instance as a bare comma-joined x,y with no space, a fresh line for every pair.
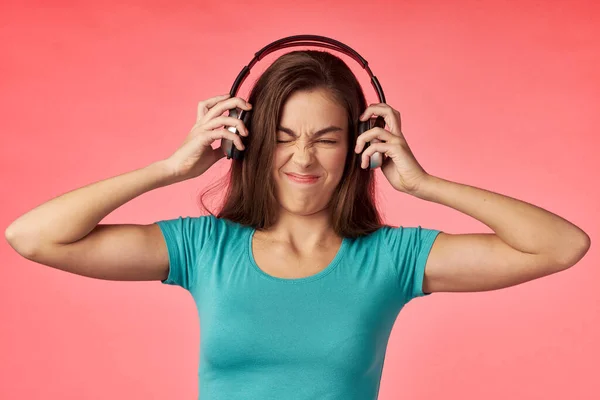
336,161
279,158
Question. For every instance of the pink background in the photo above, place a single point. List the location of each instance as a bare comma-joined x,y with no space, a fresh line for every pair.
500,95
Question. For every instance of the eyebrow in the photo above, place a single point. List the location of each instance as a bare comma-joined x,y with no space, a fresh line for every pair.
320,132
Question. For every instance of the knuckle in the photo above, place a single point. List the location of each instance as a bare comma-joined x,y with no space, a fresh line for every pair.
225,103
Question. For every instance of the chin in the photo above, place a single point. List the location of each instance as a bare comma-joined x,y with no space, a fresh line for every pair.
299,201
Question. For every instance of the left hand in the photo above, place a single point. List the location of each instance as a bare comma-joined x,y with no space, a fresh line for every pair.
400,167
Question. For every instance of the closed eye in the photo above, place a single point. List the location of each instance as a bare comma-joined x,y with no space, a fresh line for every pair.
320,141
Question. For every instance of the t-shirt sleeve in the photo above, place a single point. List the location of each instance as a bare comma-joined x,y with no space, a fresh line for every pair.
410,248
185,238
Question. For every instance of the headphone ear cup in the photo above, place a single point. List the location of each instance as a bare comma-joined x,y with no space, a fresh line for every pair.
375,160
363,126
245,116
379,122
227,145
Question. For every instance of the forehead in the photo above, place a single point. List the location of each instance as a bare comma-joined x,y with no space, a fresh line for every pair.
312,110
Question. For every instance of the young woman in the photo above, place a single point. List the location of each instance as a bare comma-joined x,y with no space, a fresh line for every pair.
296,279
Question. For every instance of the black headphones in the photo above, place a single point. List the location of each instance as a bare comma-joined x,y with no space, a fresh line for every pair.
302,40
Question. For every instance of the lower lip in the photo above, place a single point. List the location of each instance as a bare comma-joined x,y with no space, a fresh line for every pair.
302,180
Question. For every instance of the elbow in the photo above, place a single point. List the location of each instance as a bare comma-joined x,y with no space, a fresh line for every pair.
10,236
19,243
576,252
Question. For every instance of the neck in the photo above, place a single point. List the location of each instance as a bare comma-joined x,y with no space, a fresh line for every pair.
303,231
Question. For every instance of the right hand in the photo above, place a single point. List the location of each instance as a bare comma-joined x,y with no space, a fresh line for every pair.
196,154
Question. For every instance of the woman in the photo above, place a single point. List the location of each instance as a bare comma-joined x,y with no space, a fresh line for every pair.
297,281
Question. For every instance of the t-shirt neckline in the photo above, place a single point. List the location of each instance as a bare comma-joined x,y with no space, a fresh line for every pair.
326,271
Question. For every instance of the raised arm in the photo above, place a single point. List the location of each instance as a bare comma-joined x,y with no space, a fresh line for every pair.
65,233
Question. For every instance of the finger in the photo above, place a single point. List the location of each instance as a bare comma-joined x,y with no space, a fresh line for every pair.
226,134
375,147
391,116
205,105
370,135
228,122
374,109
228,104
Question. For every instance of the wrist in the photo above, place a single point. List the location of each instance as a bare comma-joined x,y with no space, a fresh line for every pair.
164,173
423,189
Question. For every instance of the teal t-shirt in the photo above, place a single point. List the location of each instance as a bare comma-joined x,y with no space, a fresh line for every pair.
317,337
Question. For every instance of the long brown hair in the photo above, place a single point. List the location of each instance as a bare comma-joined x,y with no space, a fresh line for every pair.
250,197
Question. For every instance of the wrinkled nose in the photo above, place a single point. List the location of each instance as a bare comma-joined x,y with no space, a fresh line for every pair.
303,154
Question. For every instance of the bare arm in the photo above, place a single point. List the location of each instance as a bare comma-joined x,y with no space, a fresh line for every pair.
65,232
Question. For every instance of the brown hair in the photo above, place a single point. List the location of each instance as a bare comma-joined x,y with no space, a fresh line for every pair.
250,197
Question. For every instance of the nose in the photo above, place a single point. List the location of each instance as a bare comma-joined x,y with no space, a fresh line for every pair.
303,155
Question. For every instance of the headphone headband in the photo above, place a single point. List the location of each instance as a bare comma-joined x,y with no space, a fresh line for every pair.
306,40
